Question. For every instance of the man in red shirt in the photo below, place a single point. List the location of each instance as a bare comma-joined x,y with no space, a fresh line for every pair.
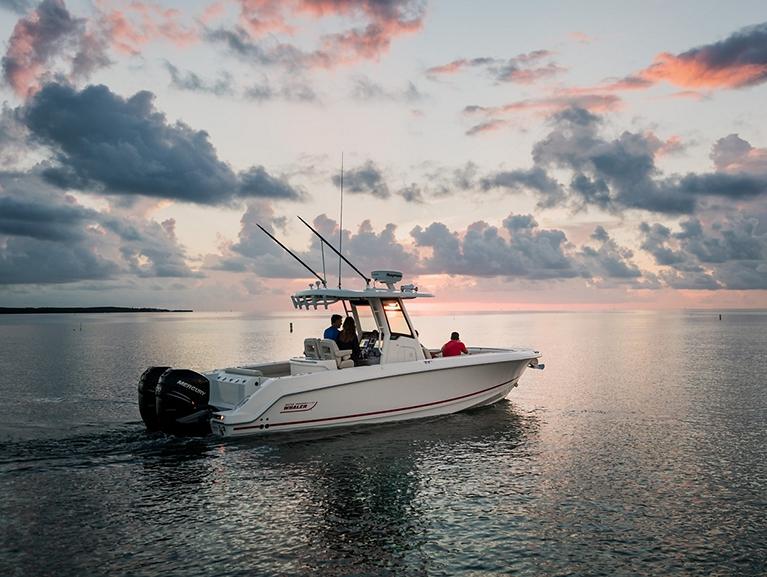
454,347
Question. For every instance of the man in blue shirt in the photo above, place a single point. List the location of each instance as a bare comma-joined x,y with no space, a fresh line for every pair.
334,329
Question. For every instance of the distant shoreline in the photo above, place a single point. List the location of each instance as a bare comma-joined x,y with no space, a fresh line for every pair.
65,310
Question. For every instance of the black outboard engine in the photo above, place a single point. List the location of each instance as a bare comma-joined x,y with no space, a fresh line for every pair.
181,400
147,405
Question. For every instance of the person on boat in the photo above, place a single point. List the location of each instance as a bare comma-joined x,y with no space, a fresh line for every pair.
334,329
454,347
347,340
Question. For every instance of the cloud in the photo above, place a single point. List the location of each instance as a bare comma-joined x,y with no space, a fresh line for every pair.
735,62
548,106
381,22
738,61
369,250
519,250
535,179
36,39
521,69
104,143
609,260
492,125
150,248
189,81
621,174
365,90
38,222
412,193
732,154
384,21
239,43
294,91
365,179
18,6
725,254
50,37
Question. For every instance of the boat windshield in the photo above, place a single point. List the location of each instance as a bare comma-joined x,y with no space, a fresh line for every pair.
398,324
366,319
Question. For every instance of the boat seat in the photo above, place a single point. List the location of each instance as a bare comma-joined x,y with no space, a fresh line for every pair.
312,349
329,351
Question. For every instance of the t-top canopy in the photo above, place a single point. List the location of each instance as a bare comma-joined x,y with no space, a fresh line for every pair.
320,296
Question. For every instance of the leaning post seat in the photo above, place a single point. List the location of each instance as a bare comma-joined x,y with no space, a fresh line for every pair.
329,351
312,348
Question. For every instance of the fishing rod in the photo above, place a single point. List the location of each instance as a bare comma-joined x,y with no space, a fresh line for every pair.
290,252
346,260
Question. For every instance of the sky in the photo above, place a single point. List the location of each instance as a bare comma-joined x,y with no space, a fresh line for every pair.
503,155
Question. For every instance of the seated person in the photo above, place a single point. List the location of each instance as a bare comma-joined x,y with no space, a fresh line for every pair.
347,340
454,347
334,329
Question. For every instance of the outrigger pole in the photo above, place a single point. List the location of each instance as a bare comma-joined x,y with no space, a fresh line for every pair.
290,252
346,260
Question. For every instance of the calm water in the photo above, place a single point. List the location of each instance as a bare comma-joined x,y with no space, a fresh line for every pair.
640,450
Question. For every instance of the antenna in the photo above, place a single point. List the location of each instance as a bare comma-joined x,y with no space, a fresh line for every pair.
290,252
346,260
340,223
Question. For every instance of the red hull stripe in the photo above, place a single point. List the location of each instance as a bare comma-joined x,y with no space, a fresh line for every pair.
272,425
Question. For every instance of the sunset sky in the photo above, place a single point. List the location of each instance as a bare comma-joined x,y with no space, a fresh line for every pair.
504,155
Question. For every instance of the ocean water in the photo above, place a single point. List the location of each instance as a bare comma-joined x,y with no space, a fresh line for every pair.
640,450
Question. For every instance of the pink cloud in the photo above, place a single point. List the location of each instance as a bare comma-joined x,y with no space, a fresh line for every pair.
581,37
381,22
36,40
450,68
590,102
492,125
51,38
698,69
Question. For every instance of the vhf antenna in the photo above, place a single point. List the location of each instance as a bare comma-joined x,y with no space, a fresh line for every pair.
340,223
346,260
290,252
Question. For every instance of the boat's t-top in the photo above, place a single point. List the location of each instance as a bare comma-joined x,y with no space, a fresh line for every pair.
384,328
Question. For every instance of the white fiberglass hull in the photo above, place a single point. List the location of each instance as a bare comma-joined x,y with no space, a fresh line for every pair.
375,394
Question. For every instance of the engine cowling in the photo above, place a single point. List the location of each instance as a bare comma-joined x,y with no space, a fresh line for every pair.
181,403
147,404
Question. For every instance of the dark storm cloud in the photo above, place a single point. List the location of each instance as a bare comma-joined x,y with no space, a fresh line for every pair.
37,219
621,174
368,249
609,260
41,220
107,144
525,251
365,179
149,248
33,261
256,182
535,179
729,254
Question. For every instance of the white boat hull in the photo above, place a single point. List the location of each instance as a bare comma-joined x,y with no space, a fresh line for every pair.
375,394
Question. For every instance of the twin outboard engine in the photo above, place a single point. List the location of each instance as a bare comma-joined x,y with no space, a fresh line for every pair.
175,401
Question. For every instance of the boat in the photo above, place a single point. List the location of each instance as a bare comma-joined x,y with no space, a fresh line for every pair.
394,379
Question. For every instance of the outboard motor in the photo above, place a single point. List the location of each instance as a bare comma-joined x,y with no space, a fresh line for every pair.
147,405
181,403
